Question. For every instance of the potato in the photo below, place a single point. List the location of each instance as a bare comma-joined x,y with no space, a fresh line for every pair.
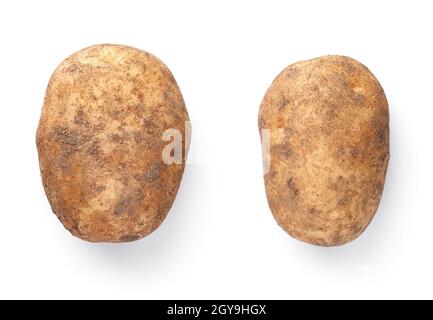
328,129
100,143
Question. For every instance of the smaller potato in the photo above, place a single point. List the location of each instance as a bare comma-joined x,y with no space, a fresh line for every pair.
328,125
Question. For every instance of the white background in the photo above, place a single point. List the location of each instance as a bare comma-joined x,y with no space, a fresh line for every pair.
220,239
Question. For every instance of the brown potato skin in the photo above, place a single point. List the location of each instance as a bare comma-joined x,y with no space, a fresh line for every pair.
329,149
100,147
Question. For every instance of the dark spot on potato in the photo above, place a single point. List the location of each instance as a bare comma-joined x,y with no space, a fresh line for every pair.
337,236
114,114
347,65
119,138
139,108
331,113
140,64
344,84
271,174
354,152
123,207
171,191
138,194
138,136
125,181
72,225
94,149
380,136
292,186
343,201
314,88
99,189
67,136
151,142
66,152
160,216
152,173
118,99
284,149
150,125
129,237
72,68
313,211
283,103
292,71
80,119
137,92
357,228
340,184
383,159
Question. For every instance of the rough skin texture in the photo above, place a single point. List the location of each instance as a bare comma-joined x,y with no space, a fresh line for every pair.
100,146
329,149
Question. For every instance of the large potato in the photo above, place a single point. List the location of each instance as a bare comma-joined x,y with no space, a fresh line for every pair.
100,143
329,149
